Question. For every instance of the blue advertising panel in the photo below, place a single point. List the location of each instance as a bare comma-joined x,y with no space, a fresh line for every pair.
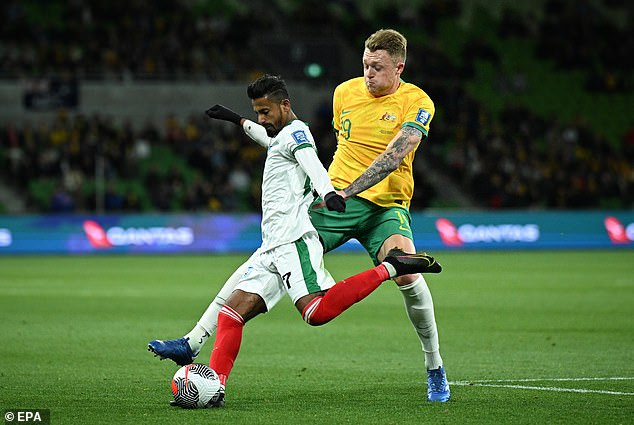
160,233
221,233
524,230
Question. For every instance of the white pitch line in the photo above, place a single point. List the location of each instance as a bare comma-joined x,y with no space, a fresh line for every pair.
612,378
528,387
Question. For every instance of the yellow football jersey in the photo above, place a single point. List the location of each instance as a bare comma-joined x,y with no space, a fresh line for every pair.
365,125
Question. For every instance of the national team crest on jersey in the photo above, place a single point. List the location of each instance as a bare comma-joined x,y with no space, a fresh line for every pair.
423,117
388,117
300,137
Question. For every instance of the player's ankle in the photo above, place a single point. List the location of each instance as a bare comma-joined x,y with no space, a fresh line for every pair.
391,270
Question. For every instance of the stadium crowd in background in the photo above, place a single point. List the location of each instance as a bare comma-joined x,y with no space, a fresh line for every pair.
67,152
206,40
537,162
127,40
499,166
528,162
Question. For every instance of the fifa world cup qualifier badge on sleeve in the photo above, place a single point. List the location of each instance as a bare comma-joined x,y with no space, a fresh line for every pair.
300,137
423,117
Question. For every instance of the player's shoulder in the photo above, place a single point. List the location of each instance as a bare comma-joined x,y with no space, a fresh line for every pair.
415,95
351,85
296,125
413,90
297,132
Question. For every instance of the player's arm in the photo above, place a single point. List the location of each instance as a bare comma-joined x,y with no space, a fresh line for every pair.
389,160
309,162
256,132
253,130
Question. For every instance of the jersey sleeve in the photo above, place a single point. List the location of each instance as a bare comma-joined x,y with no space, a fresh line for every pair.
302,145
314,169
419,114
300,138
256,132
336,109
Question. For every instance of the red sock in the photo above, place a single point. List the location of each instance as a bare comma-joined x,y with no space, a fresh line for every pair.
343,294
227,345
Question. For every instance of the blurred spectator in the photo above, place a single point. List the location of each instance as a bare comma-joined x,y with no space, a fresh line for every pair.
61,201
113,200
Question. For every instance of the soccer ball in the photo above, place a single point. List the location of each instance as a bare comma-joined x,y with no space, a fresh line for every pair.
195,386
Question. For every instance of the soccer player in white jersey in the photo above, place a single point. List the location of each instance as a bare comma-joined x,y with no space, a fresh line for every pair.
290,259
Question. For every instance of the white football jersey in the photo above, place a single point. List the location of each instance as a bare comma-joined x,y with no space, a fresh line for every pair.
286,188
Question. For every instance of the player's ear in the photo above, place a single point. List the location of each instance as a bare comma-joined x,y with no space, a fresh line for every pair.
286,105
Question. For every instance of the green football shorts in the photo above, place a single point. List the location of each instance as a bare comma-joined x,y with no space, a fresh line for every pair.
364,221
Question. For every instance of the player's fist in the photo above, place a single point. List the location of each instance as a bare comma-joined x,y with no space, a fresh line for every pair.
220,112
335,202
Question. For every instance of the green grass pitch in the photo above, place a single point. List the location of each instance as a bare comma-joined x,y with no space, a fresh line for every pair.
527,337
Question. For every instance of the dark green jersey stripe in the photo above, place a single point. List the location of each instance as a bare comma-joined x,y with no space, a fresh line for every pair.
310,277
416,125
302,146
307,188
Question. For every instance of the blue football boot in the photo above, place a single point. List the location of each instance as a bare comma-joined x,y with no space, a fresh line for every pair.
177,350
437,385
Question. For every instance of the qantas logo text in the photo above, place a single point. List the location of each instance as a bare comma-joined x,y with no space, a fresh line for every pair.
150,236
485,233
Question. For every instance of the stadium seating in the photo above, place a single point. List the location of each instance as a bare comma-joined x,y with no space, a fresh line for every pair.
518,124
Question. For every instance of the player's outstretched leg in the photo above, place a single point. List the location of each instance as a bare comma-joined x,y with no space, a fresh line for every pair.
177,350
411,263
183,350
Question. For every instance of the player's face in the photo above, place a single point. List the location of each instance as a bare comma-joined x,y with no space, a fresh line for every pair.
271,115
381,75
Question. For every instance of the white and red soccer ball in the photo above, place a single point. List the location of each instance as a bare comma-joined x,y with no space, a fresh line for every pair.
195,386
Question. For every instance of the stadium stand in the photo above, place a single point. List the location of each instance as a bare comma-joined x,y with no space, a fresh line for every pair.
524,120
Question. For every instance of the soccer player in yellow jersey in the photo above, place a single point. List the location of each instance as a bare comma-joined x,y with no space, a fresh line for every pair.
380,121
366,125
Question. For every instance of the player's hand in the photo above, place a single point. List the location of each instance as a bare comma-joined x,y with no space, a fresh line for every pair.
335,202
220,112
322,204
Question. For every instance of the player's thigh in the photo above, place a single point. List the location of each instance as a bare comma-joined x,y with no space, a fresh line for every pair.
386,228
261,280
336,228
301,266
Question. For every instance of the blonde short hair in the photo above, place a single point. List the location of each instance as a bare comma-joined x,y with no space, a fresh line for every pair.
392,41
